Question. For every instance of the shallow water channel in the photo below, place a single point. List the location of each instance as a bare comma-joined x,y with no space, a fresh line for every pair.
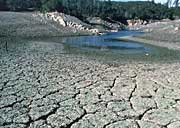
107,43
104,47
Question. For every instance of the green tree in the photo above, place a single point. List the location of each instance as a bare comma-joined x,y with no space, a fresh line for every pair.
3,5
51,5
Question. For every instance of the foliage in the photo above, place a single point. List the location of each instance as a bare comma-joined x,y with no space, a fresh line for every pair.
95,8
176,11
51,5
18,5
3,5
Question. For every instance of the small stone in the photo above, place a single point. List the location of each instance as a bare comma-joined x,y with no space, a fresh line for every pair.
177,28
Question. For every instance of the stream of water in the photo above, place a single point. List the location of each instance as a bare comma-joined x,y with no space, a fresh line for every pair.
97,47
108,43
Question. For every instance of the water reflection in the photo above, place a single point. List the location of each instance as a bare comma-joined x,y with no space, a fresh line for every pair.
103,47
107,43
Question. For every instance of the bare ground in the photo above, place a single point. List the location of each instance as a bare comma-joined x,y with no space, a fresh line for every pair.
29,25
41,86
160,33
163,31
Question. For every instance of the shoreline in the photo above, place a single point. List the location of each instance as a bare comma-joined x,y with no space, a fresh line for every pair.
44,80
163,44
50,36
41,85
162,33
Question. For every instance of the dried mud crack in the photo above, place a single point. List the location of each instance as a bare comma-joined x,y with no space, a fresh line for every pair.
47,90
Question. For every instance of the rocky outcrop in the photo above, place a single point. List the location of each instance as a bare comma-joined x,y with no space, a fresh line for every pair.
67,21
177,28
150,25
94,25
106,25
76,24
136,23
33,24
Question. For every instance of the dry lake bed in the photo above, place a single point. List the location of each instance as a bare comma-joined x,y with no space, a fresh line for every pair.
46,84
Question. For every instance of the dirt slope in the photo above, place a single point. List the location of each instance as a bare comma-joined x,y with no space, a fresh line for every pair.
29,25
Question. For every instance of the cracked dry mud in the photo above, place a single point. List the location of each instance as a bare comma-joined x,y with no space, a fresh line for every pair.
44,90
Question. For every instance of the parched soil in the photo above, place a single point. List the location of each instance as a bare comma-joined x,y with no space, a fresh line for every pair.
165,34
41,86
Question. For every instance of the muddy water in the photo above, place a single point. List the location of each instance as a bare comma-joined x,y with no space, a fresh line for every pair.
103,47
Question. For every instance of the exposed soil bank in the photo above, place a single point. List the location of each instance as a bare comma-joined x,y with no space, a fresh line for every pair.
30,25
164,33
36,24
174,46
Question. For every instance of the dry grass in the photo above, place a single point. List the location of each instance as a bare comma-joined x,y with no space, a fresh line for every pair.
27,25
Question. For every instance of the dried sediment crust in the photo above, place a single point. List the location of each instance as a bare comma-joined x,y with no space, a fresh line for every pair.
61,90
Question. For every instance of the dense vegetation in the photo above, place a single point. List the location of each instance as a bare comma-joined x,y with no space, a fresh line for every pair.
102,8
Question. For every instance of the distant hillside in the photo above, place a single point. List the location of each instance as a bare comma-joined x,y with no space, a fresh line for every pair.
82,9
30,25
36,24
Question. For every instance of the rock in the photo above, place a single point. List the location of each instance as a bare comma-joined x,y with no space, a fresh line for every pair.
145,23
130,22
100,26
177,28
66,20
94,30
136,24
106,25
61,21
